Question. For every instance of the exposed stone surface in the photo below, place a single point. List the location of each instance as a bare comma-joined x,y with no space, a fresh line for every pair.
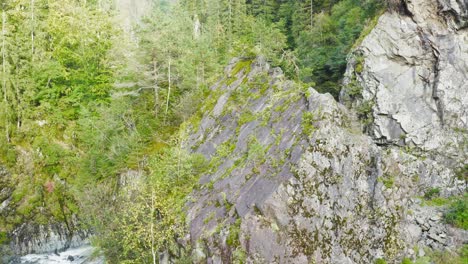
294,180
339,196
427,229
30,238
5,190
413,70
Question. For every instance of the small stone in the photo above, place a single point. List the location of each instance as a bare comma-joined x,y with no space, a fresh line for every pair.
442,235
435,218
421,252
420,220
414,231
425,227
70,258
435,237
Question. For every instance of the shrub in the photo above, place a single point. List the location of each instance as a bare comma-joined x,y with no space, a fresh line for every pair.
448,257
364,111
457,214
380,261
308,120
431,193
462,173
407,261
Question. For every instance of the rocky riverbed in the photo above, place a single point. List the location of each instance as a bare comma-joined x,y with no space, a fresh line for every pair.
80,255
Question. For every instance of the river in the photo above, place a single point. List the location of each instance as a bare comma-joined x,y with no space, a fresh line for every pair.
79,255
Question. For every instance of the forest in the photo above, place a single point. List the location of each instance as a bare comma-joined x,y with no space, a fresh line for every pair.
89,110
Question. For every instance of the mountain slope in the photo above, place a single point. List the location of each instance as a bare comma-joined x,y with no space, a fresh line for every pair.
294,180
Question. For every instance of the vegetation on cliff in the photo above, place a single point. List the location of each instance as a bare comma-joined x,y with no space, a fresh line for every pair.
93,120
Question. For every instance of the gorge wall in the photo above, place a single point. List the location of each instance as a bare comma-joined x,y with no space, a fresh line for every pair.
297,177
295,180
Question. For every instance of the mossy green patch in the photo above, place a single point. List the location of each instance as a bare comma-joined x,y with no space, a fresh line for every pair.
388,181
244,64
308,120
246,117
380,261
234,232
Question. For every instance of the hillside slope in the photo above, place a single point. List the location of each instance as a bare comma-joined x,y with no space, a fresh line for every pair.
295,180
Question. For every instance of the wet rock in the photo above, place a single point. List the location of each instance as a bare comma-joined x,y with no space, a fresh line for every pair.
83,255
54,237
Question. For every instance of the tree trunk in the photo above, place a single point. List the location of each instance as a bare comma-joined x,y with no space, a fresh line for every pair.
156,88
153,250
311,14
32,30
169,89
5,99
230,23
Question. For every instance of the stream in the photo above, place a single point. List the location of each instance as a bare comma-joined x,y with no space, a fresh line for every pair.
79,255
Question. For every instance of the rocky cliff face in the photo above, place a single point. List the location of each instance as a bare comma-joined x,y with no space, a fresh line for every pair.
412,71
295,180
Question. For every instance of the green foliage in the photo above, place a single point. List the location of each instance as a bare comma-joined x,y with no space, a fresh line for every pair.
359,64
462,173
457,213
380,261
69,137
406,261
242,65
456,207
246,117
256,151
222,151
7,154
308,120
364,111
322,49
437,201
370,25
388,181
3,237
233,236
150,217
55,65
354,89
432,193
459,256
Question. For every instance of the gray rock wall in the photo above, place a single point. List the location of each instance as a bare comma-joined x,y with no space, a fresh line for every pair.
51,238
413,70
295,180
